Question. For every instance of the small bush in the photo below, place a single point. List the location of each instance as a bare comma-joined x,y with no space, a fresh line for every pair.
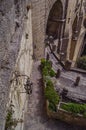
52,73
49,84
81,62
45,71
52,107
11,123
46,64
47,68
75,108
84,114
50,94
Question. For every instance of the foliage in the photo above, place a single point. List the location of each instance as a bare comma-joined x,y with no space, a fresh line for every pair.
10,122
51,95
49,83
81,62
75,108
46,63
52,107
45,71
47,68
84,114
52,73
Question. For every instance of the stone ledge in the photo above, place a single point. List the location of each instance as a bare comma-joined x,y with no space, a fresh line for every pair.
66,116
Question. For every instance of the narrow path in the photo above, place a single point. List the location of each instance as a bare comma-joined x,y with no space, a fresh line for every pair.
35,117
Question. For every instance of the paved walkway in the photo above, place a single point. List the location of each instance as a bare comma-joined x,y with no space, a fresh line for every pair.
36,118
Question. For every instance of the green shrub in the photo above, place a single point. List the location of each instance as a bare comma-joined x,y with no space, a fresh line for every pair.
45,71
52,107
46,63
11,123
49,84
52,73
81,62
84,114
50,94
42,60
75,108
47,68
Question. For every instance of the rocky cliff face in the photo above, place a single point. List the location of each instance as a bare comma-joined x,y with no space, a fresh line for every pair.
12,16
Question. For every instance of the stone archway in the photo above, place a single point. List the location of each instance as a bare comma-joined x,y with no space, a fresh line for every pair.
54,20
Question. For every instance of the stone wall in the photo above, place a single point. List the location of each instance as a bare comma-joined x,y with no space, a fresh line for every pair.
23,66
38,21
66,116
11,31
40,13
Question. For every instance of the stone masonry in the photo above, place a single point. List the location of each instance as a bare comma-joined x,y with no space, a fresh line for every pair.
11,29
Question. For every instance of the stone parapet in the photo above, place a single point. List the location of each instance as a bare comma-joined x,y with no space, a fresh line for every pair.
66,116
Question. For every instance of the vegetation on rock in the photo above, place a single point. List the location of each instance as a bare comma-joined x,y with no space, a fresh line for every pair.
11,123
